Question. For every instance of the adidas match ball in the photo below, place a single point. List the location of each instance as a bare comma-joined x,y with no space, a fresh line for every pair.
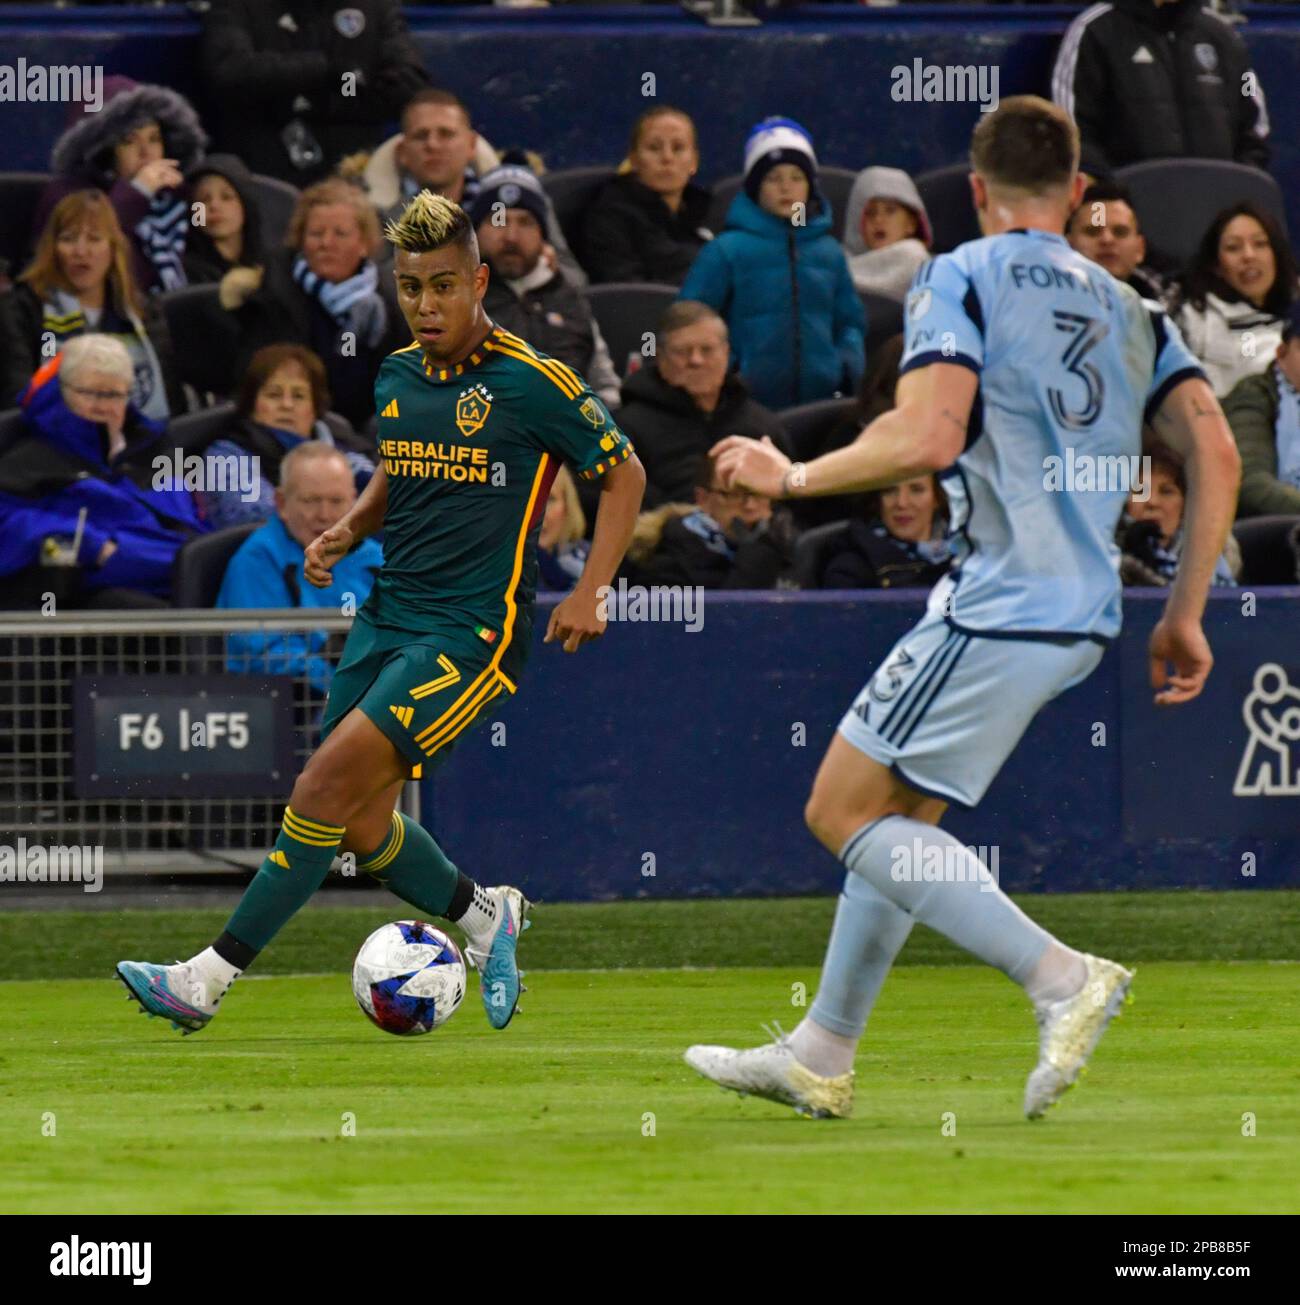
408,977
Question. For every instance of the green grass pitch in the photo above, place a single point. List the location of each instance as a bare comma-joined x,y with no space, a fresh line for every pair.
292,1101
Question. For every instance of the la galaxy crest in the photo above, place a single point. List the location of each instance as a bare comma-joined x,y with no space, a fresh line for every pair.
472,409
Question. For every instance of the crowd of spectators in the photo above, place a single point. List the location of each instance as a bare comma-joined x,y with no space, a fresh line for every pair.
768,315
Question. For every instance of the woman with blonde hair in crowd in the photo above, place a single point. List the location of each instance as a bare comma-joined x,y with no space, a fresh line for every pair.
81,281
561,548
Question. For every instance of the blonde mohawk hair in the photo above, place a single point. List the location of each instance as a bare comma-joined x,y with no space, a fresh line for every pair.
431,221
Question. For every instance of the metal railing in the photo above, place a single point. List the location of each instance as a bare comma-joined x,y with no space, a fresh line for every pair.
40,659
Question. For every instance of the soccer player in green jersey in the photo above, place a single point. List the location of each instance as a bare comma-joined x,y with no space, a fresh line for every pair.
473,425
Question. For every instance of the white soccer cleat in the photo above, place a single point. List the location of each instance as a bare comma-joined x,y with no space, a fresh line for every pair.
773,1072
1069,1029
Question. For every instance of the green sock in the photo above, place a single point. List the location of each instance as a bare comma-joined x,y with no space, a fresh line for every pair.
411,865
291,873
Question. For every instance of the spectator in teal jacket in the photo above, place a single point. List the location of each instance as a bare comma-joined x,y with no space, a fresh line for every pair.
779,277
316,489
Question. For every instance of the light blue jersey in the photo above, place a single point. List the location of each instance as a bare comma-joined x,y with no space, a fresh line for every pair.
1070,363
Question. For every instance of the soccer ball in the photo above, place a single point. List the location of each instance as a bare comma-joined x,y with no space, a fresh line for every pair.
408,977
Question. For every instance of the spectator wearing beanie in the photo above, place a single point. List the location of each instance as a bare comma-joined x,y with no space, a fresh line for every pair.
887,232
137,149
779,278
231,232
527,296
1264,413
647,223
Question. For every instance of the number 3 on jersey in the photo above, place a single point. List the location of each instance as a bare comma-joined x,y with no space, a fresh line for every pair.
1086,333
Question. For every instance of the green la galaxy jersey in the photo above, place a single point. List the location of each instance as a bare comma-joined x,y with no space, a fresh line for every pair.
470,452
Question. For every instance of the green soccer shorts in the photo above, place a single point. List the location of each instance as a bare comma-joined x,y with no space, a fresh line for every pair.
422,689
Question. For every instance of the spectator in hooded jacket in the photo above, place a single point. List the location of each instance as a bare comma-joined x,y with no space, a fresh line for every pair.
297,86
439,150
686,400
324,292
230,234
648,222
897,543
1157,79
1264,413
88,471
887,232
137,150
281,405
80,280
1232,303
1105,228
525,294
779,277
316,490
1150,530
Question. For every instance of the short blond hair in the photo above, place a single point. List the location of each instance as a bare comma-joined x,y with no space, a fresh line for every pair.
430,222
334,190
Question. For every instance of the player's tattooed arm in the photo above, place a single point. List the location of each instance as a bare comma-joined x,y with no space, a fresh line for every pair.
580,618
365,517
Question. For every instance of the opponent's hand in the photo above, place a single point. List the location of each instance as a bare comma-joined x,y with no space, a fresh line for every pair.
576,620
323,552
1184,644
756,465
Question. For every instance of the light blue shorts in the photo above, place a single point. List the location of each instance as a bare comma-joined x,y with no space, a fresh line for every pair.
945,709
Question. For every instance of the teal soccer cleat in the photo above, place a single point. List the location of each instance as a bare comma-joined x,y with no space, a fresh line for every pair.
493,956
157,989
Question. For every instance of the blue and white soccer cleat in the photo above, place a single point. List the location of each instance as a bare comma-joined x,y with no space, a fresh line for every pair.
493,956
1069,1029
169,991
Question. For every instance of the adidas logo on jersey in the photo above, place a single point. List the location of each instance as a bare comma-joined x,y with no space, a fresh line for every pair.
391,409
403,714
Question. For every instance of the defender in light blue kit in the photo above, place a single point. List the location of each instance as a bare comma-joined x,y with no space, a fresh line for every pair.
1028,376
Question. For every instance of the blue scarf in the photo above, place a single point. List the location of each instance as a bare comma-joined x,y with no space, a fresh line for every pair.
161,233
1287,430
354,303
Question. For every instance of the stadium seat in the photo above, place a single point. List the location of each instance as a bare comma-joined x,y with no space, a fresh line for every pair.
276,201
884,320
201,564
570,190
1176,199
625,311
835,184
12,427
1267,557
813,549
205,338
19,194
807,426
946,193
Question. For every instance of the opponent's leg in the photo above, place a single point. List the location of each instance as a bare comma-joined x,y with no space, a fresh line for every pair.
355,762
402,856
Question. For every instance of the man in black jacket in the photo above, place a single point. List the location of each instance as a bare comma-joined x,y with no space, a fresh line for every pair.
679,406
296,85
1153,79
526,294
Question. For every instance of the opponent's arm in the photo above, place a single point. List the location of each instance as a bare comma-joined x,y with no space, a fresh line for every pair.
925,432
576,619
362,520
1192,424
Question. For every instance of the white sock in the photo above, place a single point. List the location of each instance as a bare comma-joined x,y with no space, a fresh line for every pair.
481,915
818,1049
210,979
1060,973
